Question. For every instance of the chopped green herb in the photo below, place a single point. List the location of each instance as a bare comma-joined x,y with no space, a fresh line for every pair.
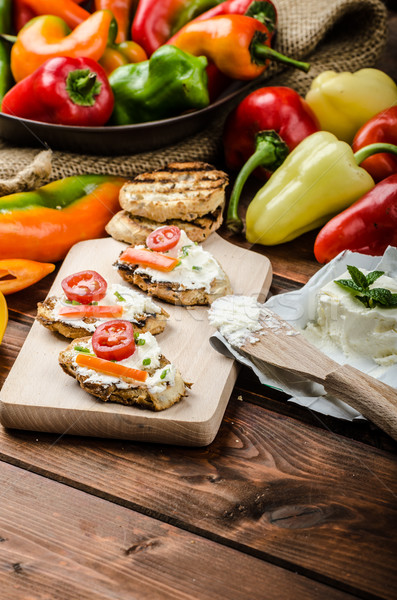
359,284
94,303
140,342
184,250
136,335
196,268
163,374
146,361
82,349
119,297
72,302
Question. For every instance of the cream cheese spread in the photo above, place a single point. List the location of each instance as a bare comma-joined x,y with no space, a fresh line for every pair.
347,323
197,268
147,349
238,318
134,305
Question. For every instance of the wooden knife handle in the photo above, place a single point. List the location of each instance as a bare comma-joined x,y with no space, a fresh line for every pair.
373,399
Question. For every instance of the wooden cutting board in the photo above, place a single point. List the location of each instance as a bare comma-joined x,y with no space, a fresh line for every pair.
37,395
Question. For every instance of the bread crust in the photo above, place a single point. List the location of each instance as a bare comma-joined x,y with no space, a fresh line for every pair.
174,293
181,190
137,394
153,323
125,227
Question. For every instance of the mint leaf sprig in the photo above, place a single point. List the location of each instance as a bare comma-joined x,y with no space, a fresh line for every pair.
359,284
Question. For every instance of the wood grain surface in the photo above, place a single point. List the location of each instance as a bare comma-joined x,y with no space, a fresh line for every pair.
56,403
283,504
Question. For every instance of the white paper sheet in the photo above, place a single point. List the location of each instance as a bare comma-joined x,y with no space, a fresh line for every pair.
298,308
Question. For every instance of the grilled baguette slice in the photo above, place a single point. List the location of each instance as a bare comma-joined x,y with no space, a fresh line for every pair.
132,394
125,227
182,190
154,323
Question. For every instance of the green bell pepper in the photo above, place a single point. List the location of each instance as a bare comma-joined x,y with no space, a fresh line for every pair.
166,85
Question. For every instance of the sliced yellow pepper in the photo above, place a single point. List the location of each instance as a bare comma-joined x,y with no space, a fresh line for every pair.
3,315
343,102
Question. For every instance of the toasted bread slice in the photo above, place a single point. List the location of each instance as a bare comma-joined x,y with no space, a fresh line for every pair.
182,190
157,393
143,313
125,227
198,278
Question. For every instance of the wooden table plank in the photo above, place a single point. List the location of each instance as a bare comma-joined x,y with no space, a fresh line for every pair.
270,486
60,543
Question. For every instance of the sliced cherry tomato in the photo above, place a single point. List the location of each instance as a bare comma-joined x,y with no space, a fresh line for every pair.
114,340
163,238
147,258
84,287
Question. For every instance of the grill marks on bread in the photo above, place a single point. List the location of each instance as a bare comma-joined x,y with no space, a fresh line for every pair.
183,190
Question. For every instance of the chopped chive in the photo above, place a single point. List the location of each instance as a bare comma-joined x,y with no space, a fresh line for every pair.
119,297
163,374
196,268
184,250
136,335
94,303
140,342
82,349
146,361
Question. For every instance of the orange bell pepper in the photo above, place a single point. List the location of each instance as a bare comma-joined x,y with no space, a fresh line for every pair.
48,36
238,45
122,12
68,10
147,258
45,223
16,274
110,368
92,310
121,54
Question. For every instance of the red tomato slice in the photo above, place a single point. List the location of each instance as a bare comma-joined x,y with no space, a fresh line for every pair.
84,287
114,340
163,238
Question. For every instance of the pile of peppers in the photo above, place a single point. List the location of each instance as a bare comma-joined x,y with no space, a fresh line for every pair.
315,178
202,44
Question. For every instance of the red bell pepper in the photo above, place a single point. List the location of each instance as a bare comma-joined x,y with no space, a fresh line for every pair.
367,226
67,91
154,20
381,128
260,132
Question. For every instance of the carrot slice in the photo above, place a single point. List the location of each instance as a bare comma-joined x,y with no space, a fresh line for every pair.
91,310
147,258
110,368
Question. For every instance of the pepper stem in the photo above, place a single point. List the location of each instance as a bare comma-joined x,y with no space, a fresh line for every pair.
261,53
371,149
270,152
82,85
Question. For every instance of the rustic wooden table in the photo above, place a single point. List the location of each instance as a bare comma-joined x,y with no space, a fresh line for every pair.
285,503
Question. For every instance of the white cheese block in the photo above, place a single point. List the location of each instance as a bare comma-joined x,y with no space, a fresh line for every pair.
351,326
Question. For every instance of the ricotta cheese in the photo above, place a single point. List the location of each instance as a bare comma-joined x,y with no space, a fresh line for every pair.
134,305
344,321
237,318
197,268
147,349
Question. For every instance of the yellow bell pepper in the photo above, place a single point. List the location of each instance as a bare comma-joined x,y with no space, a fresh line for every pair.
3,315
319,179
343,102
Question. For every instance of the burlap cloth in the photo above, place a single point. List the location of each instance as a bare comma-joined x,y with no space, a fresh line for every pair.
343,35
